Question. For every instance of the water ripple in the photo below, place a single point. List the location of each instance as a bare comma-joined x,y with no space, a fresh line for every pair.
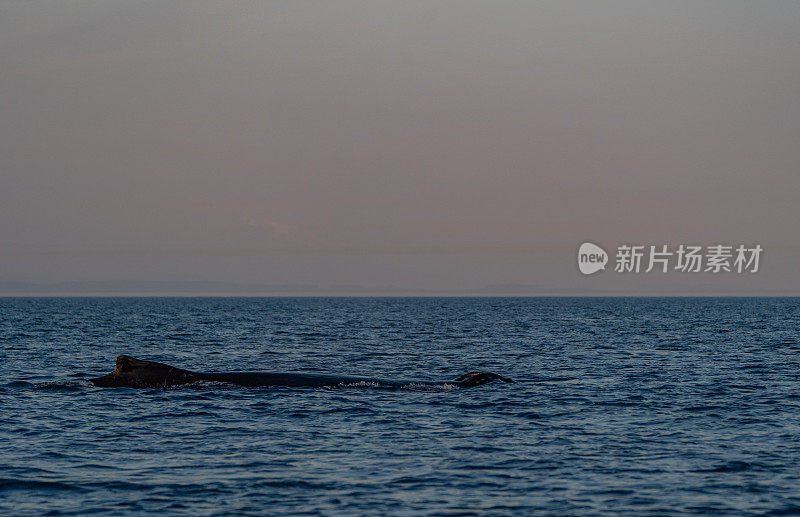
620,406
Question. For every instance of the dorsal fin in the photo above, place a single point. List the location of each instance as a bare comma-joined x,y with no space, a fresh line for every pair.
126,363
468,380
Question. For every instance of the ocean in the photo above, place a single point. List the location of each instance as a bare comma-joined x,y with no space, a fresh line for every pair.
620,406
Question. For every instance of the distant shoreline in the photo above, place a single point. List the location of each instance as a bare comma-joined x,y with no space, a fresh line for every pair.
376,295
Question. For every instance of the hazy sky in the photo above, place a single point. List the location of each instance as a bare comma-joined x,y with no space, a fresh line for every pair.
396,146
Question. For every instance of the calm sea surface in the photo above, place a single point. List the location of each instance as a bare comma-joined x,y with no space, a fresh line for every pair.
633,406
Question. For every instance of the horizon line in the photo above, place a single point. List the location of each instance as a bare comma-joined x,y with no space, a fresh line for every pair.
388,295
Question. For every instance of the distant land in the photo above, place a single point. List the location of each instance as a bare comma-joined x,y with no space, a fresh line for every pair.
216,288
212,288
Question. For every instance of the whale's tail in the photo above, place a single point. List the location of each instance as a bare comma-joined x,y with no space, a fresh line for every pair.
468,380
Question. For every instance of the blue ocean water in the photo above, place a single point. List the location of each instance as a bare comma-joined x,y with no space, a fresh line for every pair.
666,406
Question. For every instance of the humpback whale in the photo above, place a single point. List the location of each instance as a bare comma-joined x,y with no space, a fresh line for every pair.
136,373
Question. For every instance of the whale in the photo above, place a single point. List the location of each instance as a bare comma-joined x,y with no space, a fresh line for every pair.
137,373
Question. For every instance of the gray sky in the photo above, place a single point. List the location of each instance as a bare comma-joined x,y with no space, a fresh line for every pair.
394,147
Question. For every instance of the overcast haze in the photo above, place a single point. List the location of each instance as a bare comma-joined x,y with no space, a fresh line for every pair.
393,147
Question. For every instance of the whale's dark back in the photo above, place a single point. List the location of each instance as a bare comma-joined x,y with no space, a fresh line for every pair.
136,373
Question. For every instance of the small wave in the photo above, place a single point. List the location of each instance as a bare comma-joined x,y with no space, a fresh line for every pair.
730,466
19,384
360,384
159,416
478,448
198,385
701,408
481,405
431,387
348,410
72,385
416,481
613,491
295,483
77,385
410,386
7,484
789,510
619,403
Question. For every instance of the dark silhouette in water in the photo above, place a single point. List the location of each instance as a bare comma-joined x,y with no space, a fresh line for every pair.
135,373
